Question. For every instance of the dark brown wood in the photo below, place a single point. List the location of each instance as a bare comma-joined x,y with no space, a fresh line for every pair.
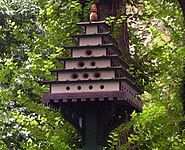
129,101
111,8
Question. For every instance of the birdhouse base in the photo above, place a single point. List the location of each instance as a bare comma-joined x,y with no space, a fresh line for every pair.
94,120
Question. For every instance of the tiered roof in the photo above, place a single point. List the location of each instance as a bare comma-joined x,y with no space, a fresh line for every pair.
95,71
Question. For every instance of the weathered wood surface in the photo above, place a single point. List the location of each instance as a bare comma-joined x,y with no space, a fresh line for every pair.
111,8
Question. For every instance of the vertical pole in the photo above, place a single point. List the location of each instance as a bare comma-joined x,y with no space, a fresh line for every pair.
91,128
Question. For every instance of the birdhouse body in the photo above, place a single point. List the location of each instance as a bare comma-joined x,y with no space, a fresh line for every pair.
95,76
86,75
89,52
96,65
91,29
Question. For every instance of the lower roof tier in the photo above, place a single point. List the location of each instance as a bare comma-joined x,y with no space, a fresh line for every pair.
93,96
76,90
92,73
94,39
93,85
109,48
100,61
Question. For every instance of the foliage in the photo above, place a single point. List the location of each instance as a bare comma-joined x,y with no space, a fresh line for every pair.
33,33
157,49
32,36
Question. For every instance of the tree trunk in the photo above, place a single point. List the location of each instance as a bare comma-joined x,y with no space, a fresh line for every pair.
111,8
182,5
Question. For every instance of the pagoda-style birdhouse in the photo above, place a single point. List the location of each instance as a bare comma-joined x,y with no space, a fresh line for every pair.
93,89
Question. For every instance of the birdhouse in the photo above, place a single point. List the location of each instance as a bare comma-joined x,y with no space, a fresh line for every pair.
93,90
95,66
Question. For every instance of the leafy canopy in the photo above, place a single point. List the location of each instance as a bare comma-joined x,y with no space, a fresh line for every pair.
32,34
156,46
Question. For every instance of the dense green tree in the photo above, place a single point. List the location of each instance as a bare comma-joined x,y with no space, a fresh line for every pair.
32,34
156,44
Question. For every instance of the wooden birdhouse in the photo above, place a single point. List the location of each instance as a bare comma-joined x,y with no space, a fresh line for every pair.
93,89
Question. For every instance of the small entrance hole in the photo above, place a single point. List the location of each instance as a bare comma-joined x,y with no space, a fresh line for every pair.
90,87
81,64
74,76
79,88
88,52
97,75
102,87
85,75
67,88
93,63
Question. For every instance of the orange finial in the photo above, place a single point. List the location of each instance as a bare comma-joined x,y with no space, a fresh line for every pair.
93,14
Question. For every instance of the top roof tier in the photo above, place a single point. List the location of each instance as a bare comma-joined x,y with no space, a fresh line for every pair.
94,27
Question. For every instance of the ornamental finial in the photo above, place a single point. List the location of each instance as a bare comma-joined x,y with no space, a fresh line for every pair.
93,14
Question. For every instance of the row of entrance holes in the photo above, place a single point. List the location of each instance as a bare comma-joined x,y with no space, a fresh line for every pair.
81,64
85,75
79,87
89,52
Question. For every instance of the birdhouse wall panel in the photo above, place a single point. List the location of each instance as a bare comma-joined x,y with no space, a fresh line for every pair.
91,29
90,41
129,90
85,87
89,52
115,63
87,64
110,52
86,75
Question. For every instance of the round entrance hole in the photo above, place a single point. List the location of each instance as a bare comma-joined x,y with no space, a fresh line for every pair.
97,75
93,63
90,87
88,52
85,75
67,88
81,64
102,87
74,76
79,88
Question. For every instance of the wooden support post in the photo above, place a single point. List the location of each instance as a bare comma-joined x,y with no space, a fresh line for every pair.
91,128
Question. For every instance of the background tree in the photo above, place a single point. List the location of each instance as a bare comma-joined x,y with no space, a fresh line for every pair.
156,45
32,36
